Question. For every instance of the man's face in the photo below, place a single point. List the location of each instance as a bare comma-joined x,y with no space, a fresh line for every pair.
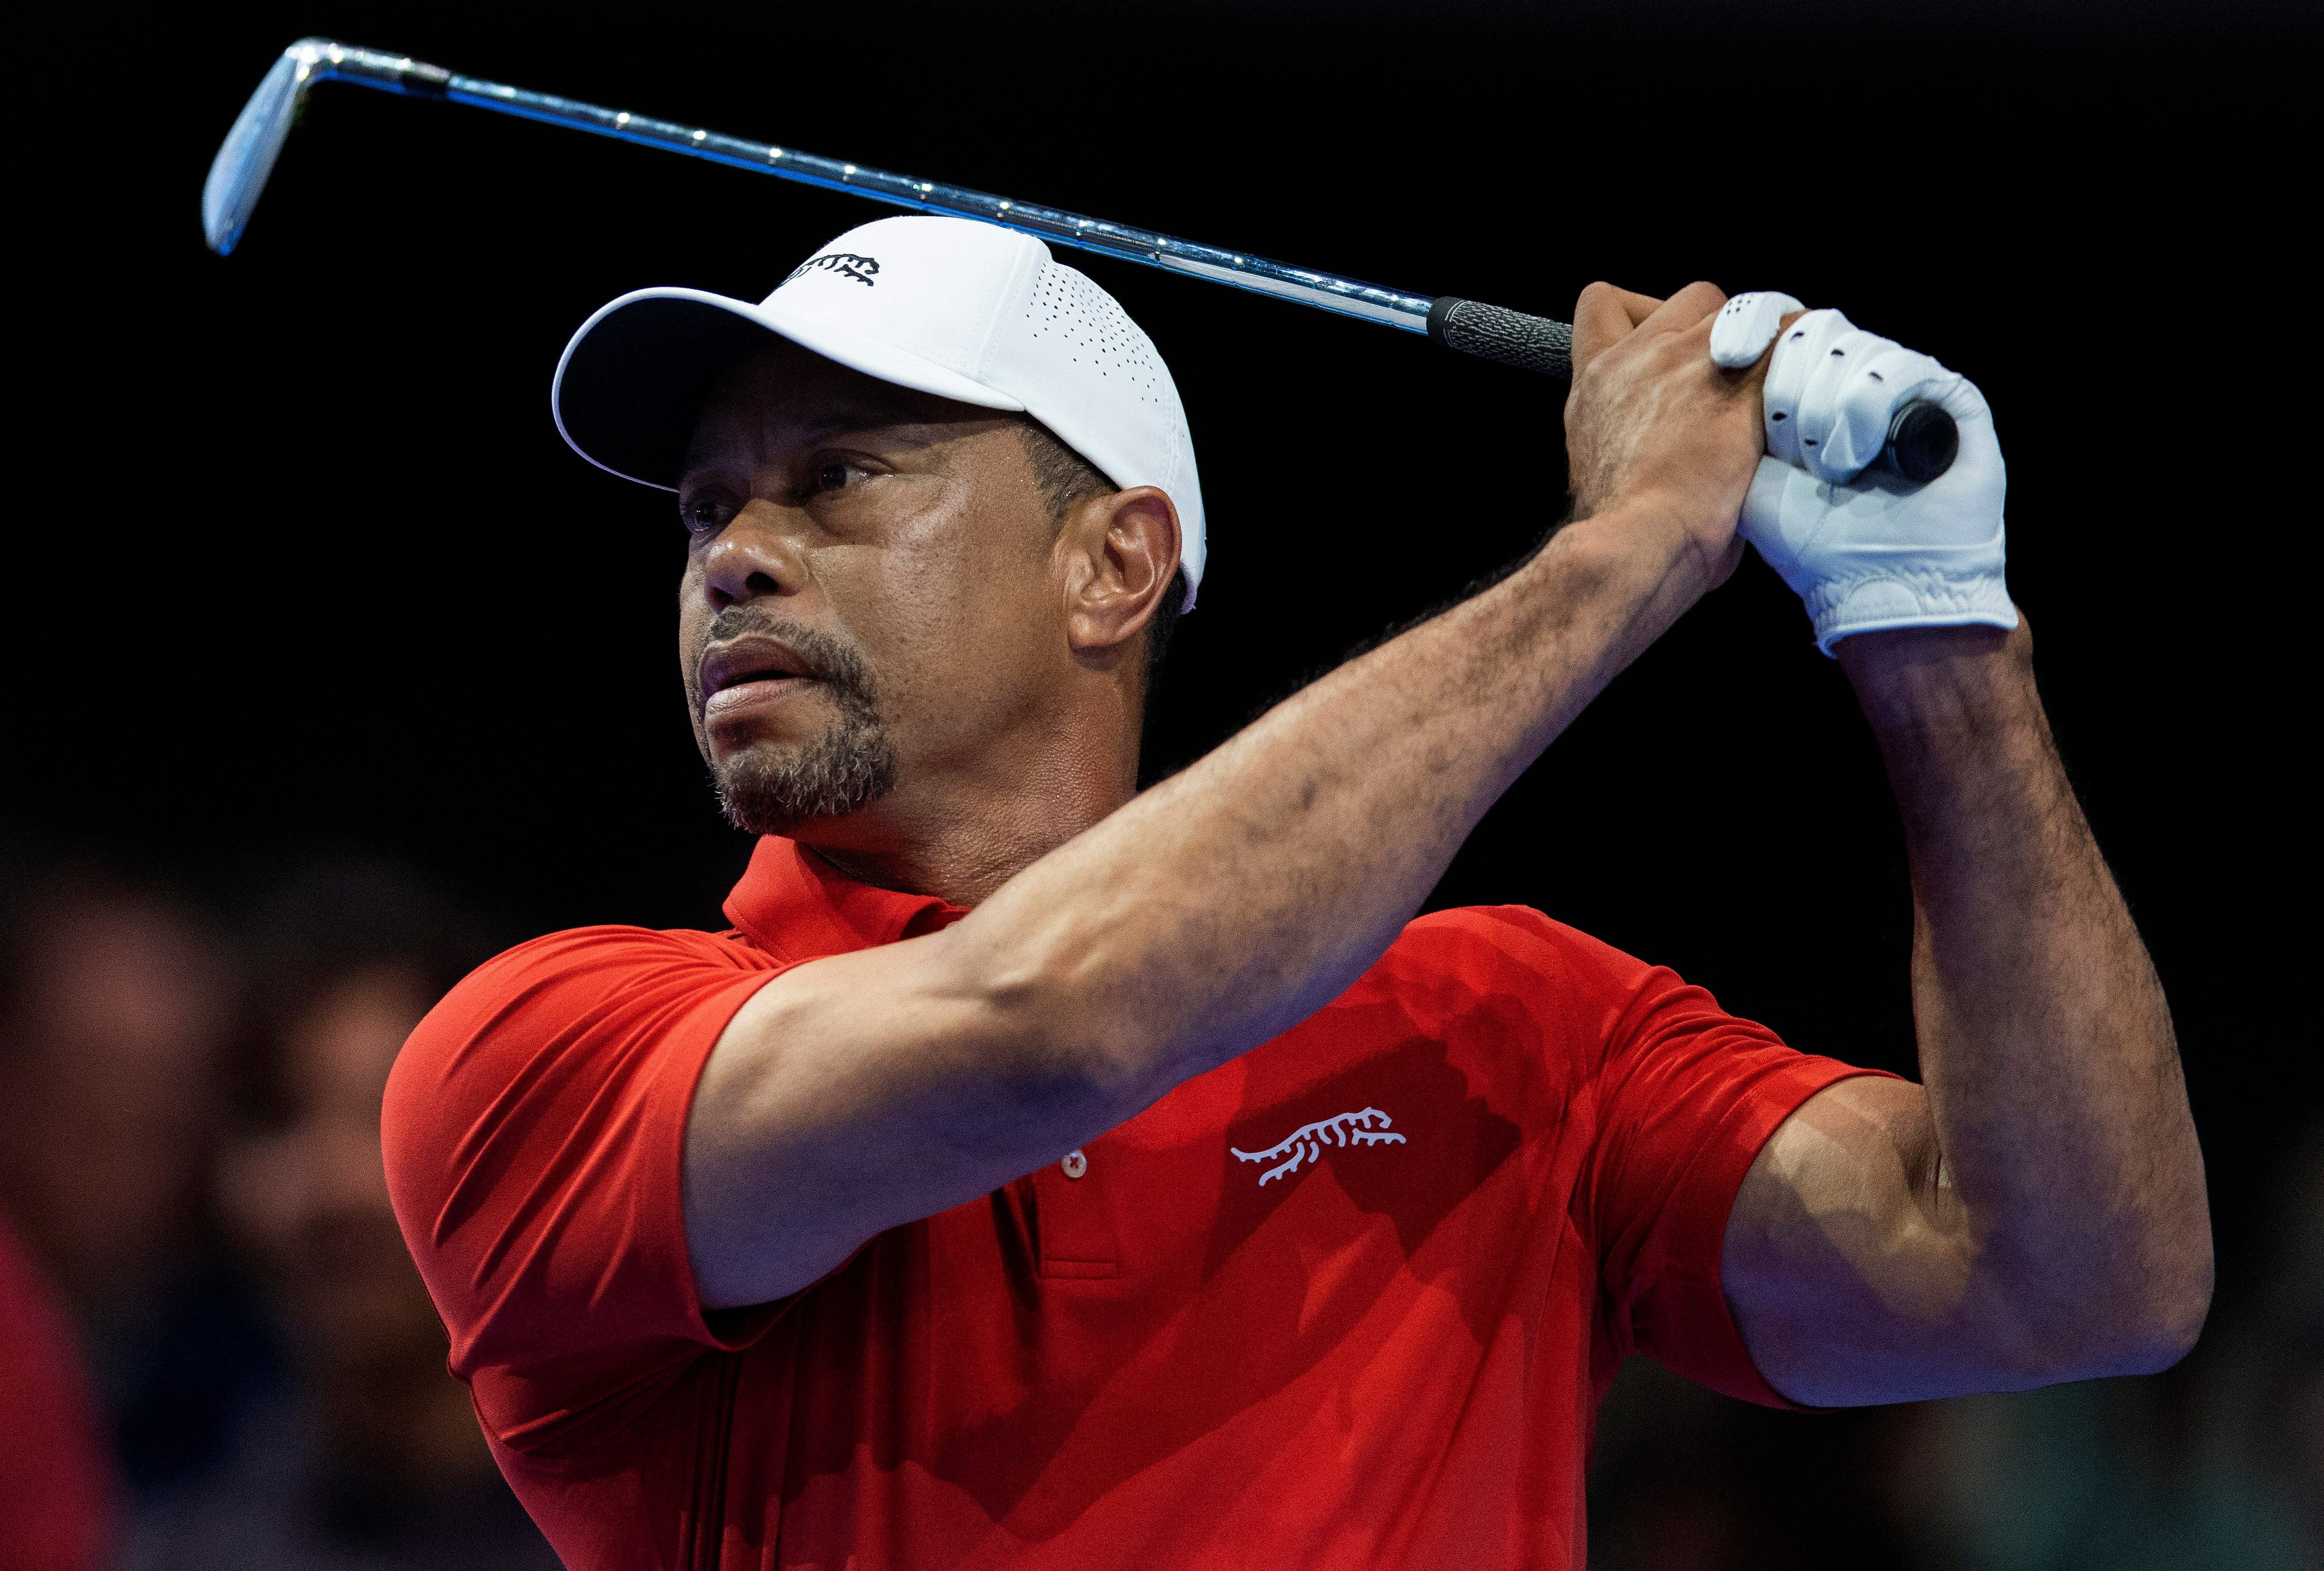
868,608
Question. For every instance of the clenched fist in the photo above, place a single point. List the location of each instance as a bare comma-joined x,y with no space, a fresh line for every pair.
1867,550
1654,430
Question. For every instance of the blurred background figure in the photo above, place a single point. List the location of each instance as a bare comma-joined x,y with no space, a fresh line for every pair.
114,1008
368,1454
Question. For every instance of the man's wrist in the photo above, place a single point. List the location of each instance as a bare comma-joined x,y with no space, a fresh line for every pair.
1944,678
1648,535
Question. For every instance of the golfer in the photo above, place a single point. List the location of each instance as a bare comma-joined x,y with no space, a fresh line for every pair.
1040,1173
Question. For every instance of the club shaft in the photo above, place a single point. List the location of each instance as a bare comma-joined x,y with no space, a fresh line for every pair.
1329,291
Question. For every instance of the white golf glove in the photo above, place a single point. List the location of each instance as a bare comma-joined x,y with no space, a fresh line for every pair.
1863,547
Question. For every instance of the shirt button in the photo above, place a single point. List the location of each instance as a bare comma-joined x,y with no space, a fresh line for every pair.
1076,1164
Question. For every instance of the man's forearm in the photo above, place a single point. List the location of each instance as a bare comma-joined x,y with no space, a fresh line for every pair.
2065,1150
1236,899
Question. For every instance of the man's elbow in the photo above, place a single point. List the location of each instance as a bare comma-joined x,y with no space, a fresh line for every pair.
2132,1328
2176,1297
2147,1342
2171,1320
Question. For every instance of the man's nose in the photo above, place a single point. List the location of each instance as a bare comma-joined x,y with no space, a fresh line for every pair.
754,557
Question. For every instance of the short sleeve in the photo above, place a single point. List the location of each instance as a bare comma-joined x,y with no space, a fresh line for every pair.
1685,1096
534,1130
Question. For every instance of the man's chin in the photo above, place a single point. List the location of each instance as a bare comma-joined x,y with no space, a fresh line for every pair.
783,788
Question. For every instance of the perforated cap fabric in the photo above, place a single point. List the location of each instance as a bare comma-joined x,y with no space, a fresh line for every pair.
947,306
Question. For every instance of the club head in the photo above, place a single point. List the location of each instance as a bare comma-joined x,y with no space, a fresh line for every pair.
247,157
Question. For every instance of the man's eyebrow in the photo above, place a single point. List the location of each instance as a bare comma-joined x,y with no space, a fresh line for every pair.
848,417
852,419
859,414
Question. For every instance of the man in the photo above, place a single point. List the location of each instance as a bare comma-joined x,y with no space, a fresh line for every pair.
1038,1175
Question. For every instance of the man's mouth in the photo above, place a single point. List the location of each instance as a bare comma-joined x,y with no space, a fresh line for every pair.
752,670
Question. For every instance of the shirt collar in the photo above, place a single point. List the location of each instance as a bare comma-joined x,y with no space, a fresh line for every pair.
794,904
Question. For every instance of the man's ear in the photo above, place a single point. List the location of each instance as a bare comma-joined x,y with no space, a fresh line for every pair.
1119,550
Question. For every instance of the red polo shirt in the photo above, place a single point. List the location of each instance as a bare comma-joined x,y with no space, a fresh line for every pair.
1348,1301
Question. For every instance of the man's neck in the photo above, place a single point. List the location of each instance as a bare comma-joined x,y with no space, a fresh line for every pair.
962,844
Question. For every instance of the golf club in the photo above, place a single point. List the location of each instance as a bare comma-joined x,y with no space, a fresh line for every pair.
1921,438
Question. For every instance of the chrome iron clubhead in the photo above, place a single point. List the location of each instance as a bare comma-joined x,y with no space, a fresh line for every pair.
247,157
238,173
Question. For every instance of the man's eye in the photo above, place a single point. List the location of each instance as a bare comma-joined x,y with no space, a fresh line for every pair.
704,514
832,475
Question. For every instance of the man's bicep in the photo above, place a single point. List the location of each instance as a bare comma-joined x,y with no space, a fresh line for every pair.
1843,1261
859,1091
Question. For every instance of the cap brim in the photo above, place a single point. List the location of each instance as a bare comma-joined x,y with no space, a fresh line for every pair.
633,380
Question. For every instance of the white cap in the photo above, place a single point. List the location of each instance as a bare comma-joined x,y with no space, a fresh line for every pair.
948,305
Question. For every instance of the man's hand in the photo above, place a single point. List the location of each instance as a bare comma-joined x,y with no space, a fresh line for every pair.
1864,548
1656,432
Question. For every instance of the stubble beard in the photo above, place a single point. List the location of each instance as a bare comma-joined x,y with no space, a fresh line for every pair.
778,788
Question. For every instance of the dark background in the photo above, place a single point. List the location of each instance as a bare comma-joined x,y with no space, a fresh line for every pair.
300,561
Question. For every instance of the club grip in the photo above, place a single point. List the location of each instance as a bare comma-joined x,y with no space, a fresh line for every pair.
1495,332
1922,439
